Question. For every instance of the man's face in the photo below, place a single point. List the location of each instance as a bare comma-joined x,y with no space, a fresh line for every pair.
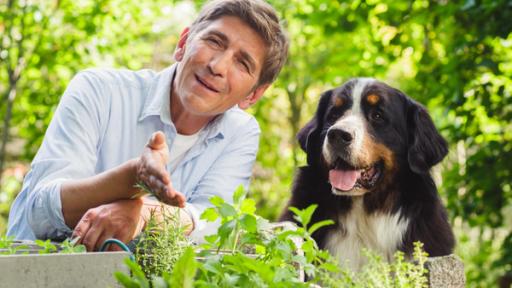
219,67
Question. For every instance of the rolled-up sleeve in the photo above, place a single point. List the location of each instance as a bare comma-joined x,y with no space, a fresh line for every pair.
68,152
231,169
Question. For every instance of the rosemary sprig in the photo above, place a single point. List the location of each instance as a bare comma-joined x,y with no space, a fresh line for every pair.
144,190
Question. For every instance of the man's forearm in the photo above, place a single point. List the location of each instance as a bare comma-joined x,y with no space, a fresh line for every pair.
78,196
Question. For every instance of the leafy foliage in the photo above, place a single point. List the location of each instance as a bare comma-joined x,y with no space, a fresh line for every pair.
253,253
453,56
8,246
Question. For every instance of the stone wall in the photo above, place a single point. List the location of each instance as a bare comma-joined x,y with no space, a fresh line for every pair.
446,272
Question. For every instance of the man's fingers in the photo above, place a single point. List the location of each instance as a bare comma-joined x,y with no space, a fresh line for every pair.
101,239
159,173
174,198
82,227
91,238
157,141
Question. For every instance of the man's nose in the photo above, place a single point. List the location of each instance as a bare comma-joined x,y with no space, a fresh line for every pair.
220,63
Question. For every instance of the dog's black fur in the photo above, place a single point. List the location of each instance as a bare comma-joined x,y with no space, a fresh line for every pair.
403,138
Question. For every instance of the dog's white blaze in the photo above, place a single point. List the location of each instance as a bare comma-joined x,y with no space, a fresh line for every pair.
381,233
353,122
357,94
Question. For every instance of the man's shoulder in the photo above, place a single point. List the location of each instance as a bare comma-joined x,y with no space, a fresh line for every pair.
113,76
236,118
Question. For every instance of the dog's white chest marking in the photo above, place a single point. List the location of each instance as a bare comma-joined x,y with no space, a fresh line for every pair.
380,233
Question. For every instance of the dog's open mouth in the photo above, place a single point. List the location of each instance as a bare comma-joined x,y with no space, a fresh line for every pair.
344,177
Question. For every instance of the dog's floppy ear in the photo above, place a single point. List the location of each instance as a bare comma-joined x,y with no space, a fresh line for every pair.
426,147
309,134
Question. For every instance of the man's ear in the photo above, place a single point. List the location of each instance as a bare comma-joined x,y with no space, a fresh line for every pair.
426,147
180,48
309,135
253,97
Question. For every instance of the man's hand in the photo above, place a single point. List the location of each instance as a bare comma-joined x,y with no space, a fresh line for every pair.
151,170
121,220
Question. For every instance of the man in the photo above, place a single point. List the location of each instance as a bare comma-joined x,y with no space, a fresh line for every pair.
82,180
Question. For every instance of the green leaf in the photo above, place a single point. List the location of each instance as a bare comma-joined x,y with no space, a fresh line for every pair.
248,206
319,225
226,210
210,214
47,246
125,280
238,194
304,216
248,223
216,200
211,238
137,273
184,270
225,231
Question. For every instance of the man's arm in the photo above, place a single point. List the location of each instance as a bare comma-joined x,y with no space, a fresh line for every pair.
62,184
125,219
78,196
99,217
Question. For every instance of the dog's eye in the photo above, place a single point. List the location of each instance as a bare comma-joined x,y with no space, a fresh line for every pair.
376,116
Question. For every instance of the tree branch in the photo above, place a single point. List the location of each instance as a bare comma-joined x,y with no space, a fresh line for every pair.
14,73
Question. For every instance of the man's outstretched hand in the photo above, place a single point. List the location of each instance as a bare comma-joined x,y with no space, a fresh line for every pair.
151,170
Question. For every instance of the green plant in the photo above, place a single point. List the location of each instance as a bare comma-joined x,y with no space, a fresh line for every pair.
8,246
161,244
248,251
70,246
46,246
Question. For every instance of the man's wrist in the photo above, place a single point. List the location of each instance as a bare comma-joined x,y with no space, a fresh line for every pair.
131,167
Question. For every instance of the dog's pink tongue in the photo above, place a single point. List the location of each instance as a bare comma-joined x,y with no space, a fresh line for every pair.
343,180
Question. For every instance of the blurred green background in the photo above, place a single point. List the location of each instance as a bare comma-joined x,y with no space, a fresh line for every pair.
453,56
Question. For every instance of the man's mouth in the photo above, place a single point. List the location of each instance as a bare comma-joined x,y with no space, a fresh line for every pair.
206,84
345,177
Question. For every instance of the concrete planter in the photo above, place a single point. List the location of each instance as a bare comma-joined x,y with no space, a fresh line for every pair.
96,269
60,270
446,272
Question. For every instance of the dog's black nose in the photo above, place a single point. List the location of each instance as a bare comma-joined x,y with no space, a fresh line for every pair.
338,136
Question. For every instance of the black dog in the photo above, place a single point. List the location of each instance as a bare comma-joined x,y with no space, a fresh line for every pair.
369,152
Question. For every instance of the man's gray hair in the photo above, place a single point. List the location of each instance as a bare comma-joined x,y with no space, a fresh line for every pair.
261,17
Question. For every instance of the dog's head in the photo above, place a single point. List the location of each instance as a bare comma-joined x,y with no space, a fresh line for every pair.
364,131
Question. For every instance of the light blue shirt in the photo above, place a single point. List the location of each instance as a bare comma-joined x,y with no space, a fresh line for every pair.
105,117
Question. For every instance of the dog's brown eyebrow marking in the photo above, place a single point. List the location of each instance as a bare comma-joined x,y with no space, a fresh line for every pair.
373,99
338,101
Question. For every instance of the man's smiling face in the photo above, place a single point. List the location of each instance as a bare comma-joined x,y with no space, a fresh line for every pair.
219,67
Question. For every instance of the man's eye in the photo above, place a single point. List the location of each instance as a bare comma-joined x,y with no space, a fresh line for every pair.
214,42
245,65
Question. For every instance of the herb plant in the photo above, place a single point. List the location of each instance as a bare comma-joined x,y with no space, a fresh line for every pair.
249,251
161,244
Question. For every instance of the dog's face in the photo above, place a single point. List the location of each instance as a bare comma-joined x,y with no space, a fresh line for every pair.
364,131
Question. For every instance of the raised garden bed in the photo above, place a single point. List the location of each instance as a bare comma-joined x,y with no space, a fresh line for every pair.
27,268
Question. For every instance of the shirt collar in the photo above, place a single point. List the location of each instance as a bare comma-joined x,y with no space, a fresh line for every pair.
158,104
157,98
